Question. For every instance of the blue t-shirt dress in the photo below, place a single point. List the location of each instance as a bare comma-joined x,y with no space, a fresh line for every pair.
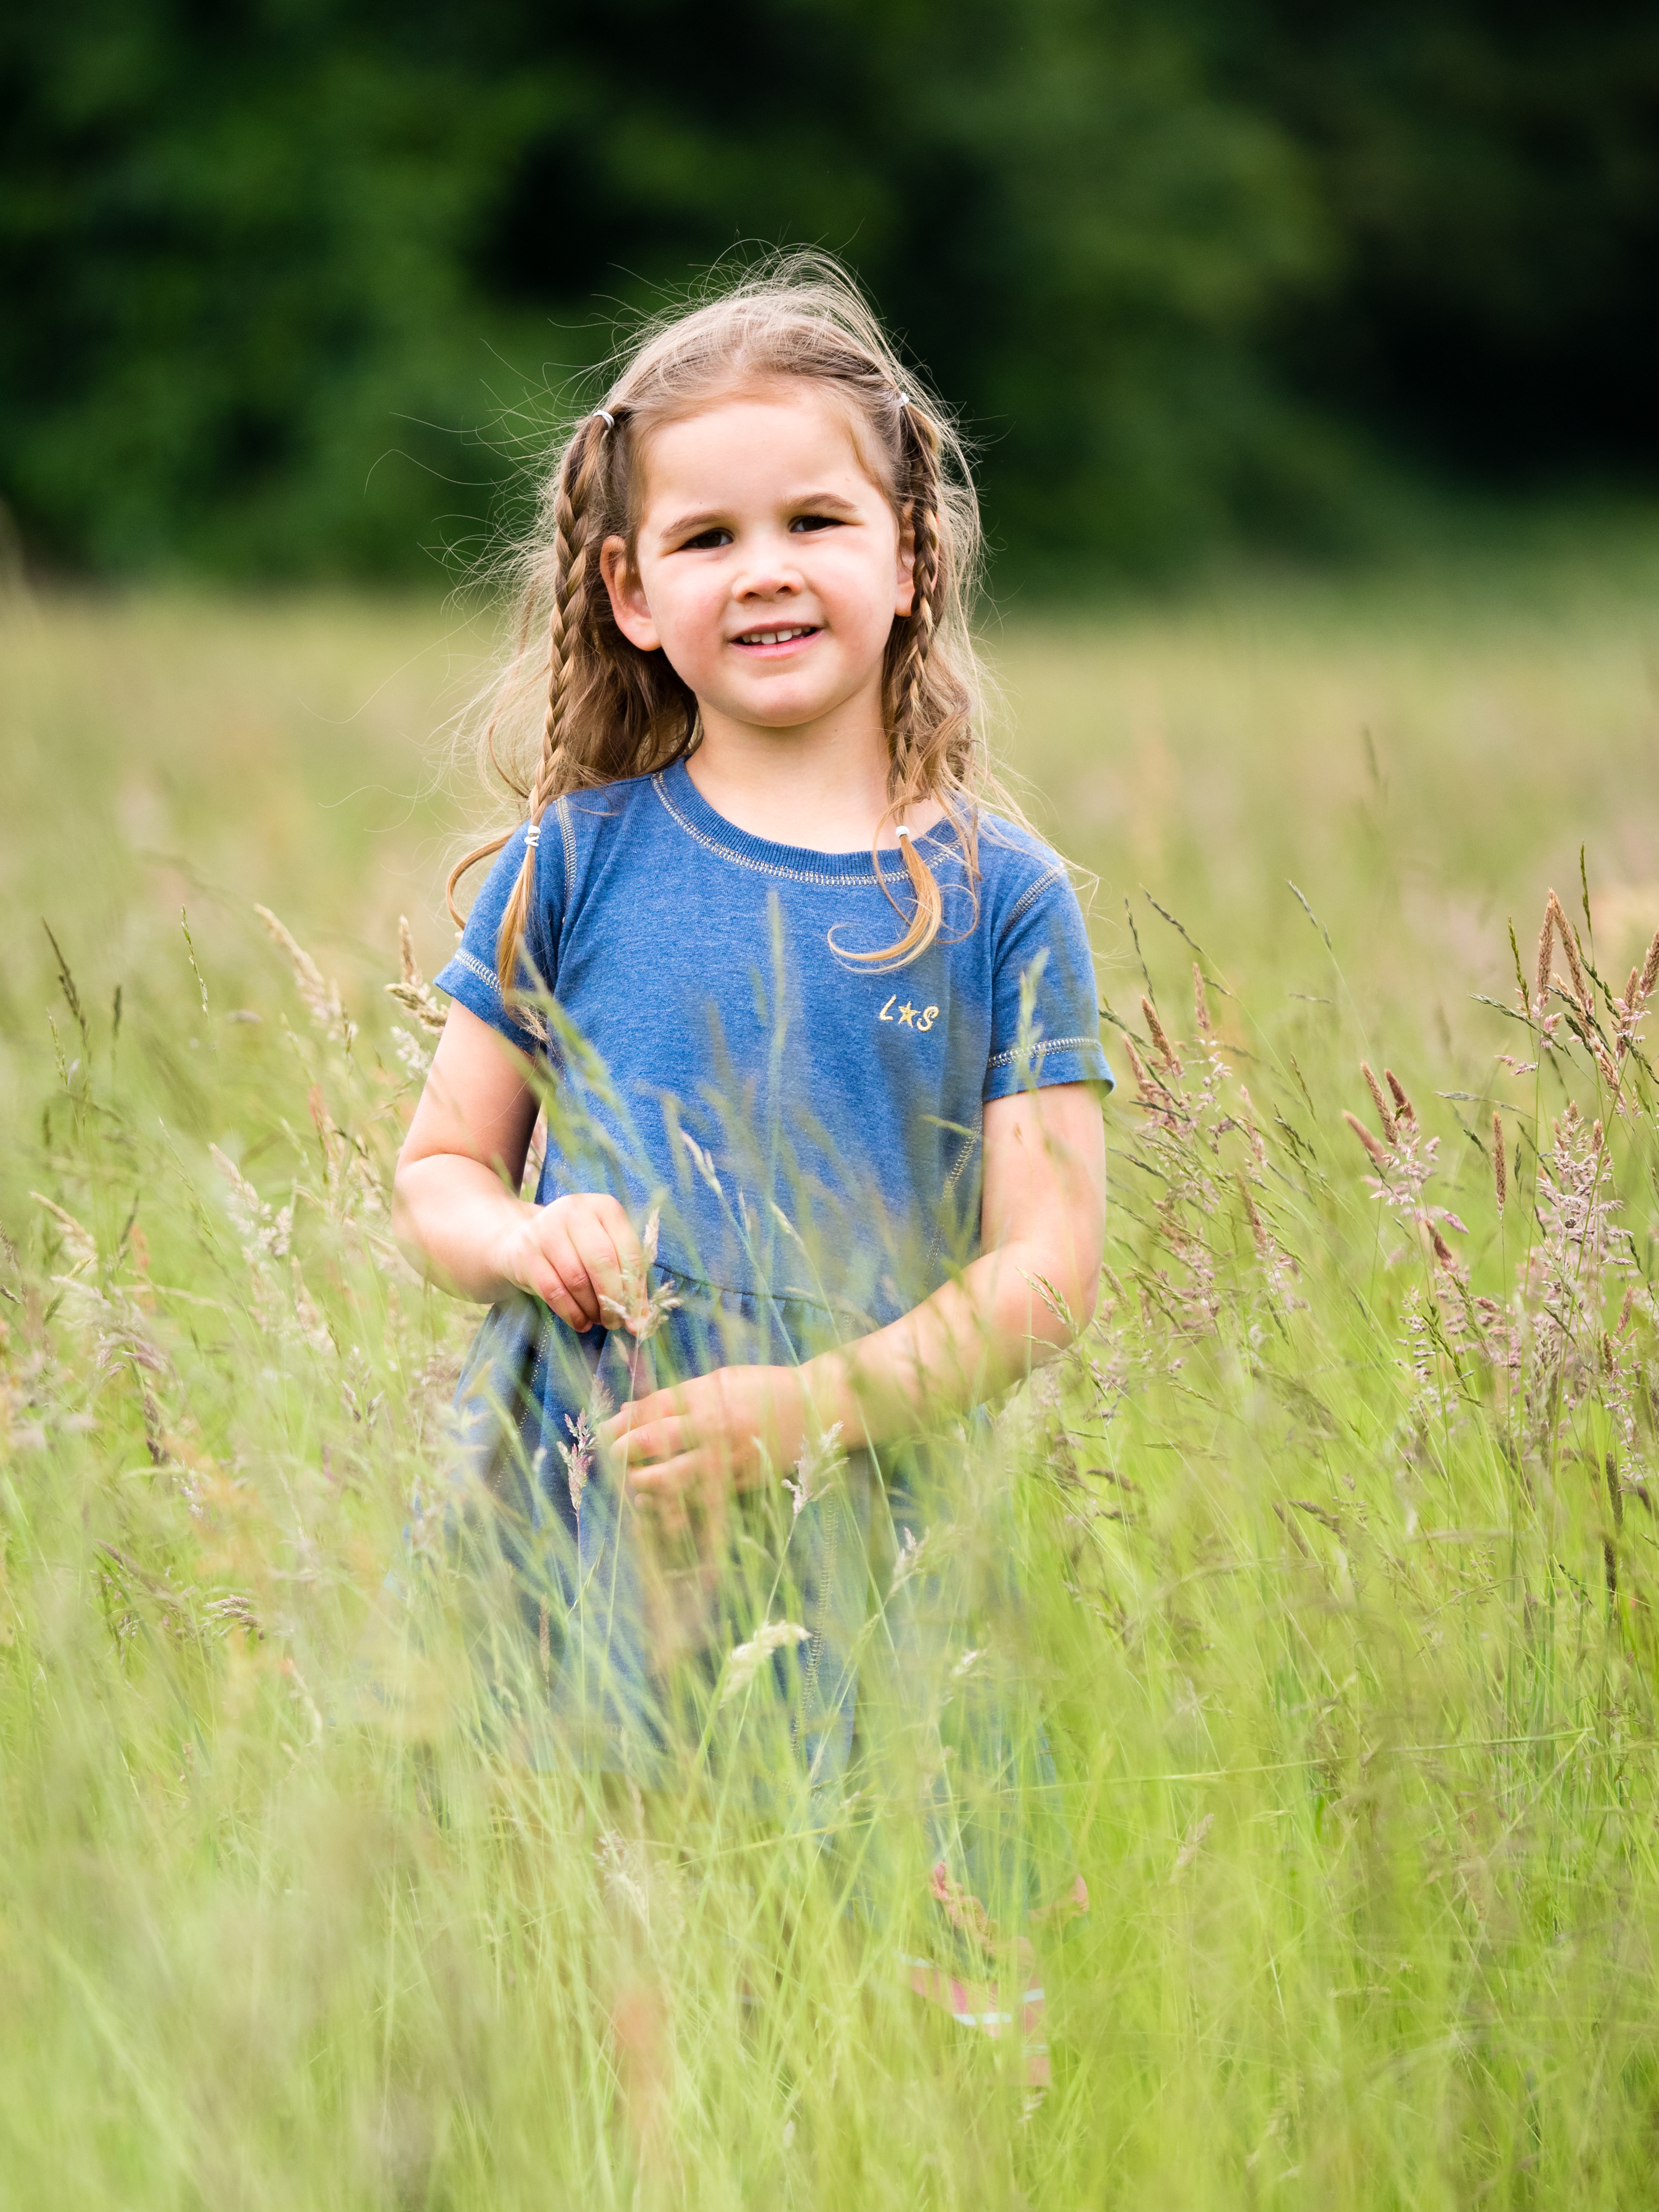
808,1128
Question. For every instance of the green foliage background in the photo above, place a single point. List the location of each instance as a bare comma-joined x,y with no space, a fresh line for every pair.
294,287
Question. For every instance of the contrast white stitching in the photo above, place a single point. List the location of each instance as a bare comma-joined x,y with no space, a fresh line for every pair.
962,1158
569,829
1055,875
744,861
1037,1050
463,958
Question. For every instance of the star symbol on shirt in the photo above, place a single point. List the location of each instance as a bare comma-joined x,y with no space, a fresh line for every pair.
906,1013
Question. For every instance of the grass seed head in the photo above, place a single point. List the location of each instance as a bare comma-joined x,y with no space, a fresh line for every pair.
1137,1067
1402,1104
1166,1051
1499,1168
1378,1151
1384,1111
1629,1013
412,990
577,1456
1541,995
320,997
1258,1150
79,1242
1258,1228
1191,1845
817,1462
1200,1000
748,1659
1570,953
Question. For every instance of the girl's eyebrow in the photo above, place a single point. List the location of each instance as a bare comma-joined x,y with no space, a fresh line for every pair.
817,499
690,524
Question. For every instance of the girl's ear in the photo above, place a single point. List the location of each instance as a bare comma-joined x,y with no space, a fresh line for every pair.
627,597
906,599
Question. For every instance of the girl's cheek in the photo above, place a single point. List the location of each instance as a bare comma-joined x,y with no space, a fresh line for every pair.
701,610
688,625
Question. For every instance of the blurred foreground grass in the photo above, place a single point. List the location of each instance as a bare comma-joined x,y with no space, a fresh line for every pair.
1339,1556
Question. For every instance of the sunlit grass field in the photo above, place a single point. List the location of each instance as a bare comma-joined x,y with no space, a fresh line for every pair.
1337,1539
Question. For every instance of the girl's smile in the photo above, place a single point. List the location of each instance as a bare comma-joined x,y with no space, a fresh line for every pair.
770,643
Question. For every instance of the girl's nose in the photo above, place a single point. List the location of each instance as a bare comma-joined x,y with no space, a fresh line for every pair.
768,572
766,584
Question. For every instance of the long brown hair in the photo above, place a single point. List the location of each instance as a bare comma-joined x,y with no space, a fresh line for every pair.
578,707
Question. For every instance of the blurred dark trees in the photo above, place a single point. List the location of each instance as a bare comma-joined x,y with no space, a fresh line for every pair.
295,286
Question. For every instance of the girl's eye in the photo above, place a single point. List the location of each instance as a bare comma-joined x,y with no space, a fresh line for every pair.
705,541
805,522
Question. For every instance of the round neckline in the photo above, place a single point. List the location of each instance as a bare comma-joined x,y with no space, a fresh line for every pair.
711,828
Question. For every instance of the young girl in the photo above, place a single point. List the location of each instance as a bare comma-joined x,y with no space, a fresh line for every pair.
814,1031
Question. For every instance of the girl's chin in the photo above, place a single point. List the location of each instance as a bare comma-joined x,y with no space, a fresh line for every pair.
782,721
781,701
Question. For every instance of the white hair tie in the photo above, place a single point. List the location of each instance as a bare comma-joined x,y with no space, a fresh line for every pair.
904,399
533,836
603,414
904,832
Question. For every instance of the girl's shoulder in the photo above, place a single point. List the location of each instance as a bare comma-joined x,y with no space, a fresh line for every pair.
607,802
1019,870
580,822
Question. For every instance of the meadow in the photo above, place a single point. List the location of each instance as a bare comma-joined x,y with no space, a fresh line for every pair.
1338,1536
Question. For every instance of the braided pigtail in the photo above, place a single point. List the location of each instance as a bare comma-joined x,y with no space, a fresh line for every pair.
568,616
909,779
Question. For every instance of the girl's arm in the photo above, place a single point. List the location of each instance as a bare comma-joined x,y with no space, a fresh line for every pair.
456,1210
1042,1229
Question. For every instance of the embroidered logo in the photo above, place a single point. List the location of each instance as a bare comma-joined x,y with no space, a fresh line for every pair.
909,1017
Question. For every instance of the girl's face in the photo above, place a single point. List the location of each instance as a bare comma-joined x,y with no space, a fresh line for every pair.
769,566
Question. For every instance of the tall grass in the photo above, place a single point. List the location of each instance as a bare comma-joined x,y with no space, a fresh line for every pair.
1337,1536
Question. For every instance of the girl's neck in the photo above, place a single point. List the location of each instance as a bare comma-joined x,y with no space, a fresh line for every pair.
822,786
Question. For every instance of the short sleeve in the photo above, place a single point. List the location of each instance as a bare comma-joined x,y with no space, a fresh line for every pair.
1045,1017
469,974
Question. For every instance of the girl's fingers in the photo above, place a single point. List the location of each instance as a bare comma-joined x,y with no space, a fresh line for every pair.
668,1509
618,1424
604,1257
567,1262
588,1244
568,1309
670,1481
611,1216
652,1443
655,1406
550,1287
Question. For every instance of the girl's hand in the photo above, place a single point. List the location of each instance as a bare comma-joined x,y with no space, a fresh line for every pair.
573,1253
733,1430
